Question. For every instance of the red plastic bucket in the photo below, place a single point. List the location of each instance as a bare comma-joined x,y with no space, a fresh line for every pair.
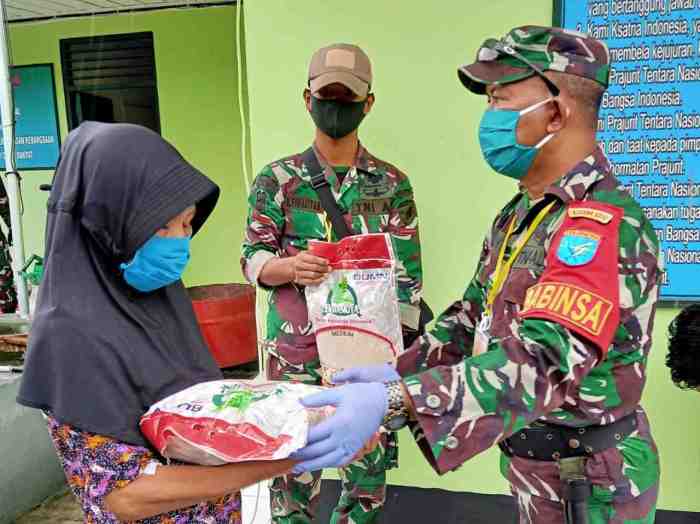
226,317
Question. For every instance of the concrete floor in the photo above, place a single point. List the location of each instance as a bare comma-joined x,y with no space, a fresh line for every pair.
60,510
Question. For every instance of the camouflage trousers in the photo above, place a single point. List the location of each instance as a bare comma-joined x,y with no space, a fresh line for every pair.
295,499
8,294
625,482
601,509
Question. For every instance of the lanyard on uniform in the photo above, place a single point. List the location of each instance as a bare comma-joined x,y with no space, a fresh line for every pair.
503,267
329,227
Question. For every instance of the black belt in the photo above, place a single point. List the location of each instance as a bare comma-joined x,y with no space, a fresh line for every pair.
553,442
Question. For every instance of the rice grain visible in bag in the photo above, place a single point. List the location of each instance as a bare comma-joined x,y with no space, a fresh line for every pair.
355,310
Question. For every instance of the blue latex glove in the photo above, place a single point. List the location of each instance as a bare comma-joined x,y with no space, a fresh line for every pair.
381,373
360,409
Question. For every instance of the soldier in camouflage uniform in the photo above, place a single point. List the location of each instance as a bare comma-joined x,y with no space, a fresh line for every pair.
8,294
285,213
546,352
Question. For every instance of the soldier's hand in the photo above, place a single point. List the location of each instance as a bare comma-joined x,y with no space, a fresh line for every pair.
369,447
360,409
380,373
309,270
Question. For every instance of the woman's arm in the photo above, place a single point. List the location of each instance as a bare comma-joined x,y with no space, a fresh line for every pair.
176,487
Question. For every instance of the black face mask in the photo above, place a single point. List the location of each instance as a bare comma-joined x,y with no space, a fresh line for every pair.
337,119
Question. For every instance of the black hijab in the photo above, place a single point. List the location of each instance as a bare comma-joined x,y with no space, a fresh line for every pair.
100,353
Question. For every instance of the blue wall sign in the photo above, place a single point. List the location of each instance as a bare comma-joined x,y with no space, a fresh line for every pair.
38,141
650,118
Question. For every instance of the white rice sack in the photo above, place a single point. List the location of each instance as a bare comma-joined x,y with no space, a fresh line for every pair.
225,421
355,310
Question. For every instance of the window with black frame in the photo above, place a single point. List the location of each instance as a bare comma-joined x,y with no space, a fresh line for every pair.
111,79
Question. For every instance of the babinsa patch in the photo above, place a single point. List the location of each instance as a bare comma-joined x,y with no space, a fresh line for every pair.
578,247
582,308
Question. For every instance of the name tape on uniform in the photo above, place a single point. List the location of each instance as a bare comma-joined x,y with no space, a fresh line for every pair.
593,214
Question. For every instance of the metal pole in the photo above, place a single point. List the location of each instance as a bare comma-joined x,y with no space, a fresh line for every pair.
12,178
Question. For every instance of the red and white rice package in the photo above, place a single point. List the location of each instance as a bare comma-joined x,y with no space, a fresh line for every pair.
355,310
226,421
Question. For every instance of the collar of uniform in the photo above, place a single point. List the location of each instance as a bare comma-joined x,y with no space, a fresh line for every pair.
364,161
525,211
577,182
510,209
572,186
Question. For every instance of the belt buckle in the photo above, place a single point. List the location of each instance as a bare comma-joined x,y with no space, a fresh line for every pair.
572,468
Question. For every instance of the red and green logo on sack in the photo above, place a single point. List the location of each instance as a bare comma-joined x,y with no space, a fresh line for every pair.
235,397
342,300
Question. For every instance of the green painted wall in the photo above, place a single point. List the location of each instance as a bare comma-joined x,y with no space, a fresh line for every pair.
426,123
198,99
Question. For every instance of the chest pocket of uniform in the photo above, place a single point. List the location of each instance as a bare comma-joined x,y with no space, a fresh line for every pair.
515,288
304,220
527,269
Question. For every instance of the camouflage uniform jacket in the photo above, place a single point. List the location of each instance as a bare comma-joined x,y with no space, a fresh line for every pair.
285,213
539,369
8,294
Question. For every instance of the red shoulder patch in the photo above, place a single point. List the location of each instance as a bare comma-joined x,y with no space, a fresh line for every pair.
579,288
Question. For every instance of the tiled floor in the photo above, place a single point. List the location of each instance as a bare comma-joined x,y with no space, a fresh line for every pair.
64,510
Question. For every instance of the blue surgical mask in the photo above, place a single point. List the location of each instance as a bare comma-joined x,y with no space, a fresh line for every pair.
158,263
499,143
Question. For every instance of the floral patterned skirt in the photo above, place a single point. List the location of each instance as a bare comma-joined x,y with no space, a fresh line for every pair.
95,465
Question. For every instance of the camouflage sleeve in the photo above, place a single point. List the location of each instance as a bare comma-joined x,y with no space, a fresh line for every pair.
403,227
265,224
466,408
5,209
452,338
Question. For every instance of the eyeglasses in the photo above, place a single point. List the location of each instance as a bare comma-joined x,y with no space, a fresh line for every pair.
492,52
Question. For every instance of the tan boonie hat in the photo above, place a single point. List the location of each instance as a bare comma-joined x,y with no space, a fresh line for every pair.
344,64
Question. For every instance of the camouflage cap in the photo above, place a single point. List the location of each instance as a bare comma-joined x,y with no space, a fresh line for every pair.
530,50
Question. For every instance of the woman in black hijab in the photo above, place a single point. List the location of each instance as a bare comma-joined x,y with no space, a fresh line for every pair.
114,330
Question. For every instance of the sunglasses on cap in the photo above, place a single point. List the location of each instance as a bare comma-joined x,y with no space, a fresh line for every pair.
491,50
